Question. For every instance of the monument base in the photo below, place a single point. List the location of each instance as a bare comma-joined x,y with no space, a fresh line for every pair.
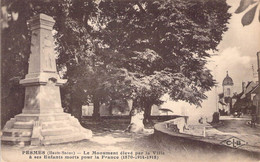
43,129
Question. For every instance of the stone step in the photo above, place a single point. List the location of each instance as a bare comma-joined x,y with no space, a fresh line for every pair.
57,131
15,139
63,138
20,143
55,124
26,117
42,111
65,116
42,117
23,125
17,132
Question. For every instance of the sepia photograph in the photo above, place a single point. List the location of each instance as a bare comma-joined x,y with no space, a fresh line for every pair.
130,80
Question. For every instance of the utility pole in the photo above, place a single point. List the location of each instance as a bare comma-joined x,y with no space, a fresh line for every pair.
258,95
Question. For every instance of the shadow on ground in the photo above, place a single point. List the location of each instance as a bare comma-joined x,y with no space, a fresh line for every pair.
109,135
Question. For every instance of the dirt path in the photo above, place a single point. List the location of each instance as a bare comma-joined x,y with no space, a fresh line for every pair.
109,136
238,126
103,140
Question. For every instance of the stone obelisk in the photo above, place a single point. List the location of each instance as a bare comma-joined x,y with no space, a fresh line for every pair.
42,120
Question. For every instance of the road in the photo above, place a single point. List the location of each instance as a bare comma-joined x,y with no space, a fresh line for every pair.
238,125
240,128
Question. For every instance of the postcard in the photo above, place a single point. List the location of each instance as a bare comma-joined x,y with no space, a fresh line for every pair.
140,80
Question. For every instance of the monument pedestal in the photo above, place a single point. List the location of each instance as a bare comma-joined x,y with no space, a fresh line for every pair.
43,129
43,121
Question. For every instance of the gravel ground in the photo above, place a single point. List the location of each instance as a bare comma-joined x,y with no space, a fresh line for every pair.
109,136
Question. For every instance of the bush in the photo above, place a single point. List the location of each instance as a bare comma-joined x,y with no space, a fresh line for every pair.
215,118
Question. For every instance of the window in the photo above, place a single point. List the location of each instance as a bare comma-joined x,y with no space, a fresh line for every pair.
228,91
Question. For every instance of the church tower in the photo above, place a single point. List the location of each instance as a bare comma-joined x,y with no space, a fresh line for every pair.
227,86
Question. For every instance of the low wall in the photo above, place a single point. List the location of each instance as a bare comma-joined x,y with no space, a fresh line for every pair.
195,146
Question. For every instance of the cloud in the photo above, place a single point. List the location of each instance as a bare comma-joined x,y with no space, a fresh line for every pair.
239,67
246,38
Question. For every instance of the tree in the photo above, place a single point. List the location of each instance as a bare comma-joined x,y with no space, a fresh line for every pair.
15,51
136,50
16,45
163,45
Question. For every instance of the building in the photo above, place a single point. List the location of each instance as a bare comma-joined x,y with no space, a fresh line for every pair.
248,100
114,108
227,85
226,98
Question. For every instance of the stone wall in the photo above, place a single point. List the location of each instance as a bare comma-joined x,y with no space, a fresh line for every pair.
196,148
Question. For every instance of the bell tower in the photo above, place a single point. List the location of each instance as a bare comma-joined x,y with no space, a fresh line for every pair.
227,86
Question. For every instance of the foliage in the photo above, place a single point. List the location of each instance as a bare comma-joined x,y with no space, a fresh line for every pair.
248,17
112,50
163,44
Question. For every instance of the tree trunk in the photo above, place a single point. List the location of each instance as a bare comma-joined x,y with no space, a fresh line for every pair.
147,113
136,115
96,111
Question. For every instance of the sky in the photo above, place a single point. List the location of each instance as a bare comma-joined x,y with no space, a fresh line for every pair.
237,54
237,50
